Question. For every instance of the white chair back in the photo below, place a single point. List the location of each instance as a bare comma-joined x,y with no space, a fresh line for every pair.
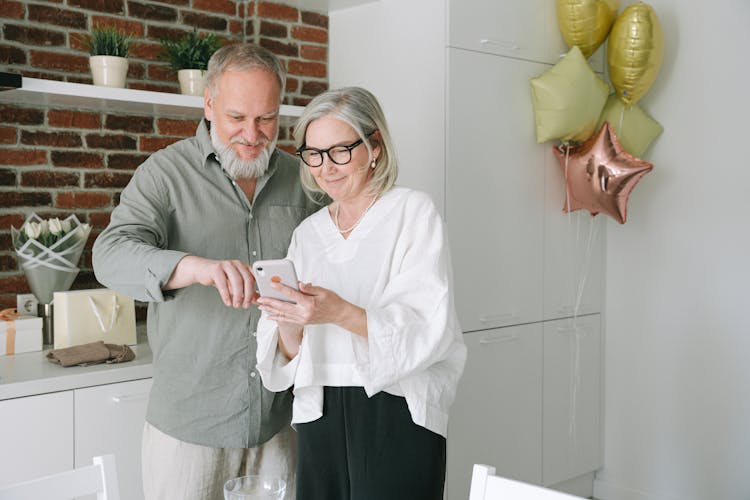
485,485
100,478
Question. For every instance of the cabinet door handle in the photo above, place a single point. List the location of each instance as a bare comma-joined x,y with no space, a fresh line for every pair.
571,309
130,397
572,329
506,44
492,318
493,339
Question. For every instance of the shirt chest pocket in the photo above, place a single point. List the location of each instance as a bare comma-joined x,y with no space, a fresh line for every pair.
276,227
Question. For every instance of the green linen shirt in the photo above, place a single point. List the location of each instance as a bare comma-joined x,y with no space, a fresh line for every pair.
181,202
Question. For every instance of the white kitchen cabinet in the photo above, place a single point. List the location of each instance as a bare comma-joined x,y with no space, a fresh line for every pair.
573,251
529,403
109,419
516,257
514,29
36,436
494,191
571,398
54,418
512,247
55,432
496,417
519,29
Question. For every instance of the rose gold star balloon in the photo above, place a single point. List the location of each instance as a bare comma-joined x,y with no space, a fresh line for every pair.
600,174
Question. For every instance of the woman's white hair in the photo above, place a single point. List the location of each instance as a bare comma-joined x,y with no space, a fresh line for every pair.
359,109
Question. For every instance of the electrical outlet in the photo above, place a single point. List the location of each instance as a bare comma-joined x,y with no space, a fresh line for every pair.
26,303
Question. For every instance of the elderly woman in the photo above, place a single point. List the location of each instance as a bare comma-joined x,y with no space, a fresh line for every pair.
371,342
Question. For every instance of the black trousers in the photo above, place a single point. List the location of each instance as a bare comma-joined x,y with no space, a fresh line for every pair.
368,449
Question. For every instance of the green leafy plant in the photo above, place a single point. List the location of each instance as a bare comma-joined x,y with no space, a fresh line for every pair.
191,51
107,41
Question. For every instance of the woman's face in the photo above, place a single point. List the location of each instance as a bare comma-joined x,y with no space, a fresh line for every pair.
340,182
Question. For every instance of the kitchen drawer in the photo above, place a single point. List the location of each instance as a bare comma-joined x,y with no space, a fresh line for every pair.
109,419
36,436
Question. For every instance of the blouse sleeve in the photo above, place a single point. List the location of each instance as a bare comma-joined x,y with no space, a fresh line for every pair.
277,372
413,324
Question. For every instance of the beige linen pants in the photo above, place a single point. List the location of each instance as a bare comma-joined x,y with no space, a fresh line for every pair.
174,469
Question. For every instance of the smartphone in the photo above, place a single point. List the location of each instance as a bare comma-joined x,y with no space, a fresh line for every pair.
275,271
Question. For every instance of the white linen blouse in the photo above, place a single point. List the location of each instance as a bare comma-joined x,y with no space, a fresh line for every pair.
396,265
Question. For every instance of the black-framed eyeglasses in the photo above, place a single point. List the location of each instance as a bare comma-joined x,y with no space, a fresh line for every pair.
340,155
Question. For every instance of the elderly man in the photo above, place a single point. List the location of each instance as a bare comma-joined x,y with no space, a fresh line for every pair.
188,224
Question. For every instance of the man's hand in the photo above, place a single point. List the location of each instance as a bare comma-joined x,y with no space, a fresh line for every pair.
233,279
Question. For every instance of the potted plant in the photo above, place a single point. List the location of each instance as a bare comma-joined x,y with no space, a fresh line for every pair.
108,49
189,56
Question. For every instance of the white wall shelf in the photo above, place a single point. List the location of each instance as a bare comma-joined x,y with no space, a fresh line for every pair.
40,92
325,6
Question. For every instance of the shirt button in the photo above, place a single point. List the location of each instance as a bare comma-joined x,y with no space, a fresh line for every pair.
255,253
251,216
252,374
255,334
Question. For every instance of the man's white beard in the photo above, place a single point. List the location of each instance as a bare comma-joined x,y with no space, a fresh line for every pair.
235,166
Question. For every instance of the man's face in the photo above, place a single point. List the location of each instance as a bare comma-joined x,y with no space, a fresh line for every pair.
245,111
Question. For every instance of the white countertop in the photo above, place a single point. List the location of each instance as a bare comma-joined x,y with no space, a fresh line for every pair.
30,373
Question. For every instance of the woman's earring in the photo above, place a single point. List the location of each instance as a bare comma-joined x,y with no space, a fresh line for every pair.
372,164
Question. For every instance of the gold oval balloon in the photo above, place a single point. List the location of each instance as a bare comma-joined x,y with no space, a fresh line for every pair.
634,52
586,23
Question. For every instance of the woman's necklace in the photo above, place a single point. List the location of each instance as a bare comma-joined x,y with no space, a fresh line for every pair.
351,228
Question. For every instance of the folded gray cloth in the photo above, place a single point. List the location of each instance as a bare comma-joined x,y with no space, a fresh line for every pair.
91,354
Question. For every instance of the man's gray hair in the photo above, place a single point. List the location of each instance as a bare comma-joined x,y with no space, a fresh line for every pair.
242,57
359,109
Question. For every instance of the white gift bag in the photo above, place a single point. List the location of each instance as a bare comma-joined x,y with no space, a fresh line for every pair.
83,316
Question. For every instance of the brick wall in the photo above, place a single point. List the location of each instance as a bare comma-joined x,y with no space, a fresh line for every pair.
58,161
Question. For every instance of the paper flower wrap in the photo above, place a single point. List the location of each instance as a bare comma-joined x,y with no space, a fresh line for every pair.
48,252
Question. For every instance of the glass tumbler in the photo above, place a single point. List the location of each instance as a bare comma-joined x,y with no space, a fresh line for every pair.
255,488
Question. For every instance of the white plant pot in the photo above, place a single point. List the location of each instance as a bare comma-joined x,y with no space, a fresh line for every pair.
109,71
192,81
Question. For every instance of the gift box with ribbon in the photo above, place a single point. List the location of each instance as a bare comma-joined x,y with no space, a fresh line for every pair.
19,332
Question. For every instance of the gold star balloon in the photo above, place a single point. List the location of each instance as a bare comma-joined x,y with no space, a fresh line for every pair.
635,128
568,99
600,174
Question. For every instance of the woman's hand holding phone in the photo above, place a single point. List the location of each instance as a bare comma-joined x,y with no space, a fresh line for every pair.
289,302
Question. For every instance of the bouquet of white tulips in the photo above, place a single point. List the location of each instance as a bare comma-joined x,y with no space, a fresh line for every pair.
48,252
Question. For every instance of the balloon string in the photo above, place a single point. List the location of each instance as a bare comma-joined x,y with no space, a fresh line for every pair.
567,189
619,126
582,272
575,383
